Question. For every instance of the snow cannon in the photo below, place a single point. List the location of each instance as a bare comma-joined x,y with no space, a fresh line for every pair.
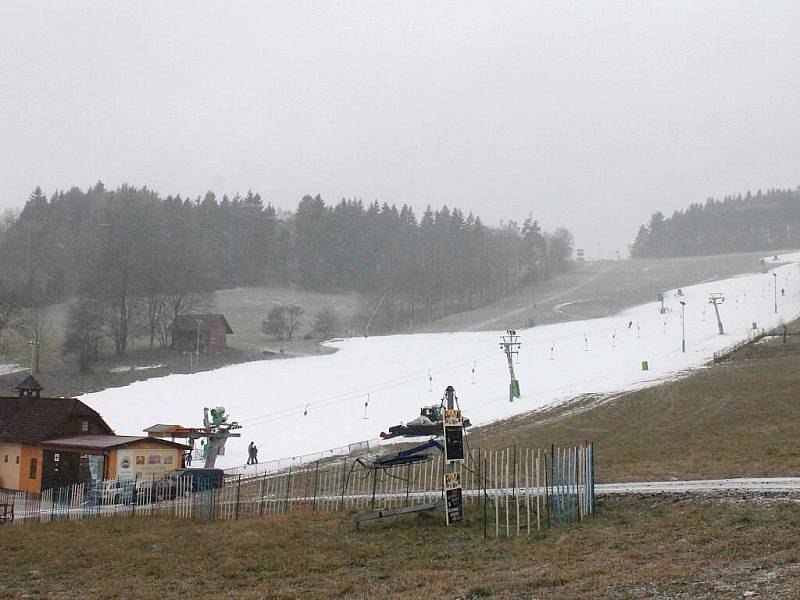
429,422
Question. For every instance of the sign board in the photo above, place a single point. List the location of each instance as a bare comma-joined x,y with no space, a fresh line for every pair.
454,507
142,462
453,436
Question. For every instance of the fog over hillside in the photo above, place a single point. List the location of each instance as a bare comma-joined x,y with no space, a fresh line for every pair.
582,114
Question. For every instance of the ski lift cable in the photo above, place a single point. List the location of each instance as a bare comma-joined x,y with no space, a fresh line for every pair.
318,404
405,379
380,386
389,384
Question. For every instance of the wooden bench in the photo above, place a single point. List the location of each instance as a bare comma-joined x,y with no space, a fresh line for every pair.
373,515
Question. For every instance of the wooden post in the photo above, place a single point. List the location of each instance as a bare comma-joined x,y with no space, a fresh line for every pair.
261,495
288,483
344,483
514,473
516,496
505,490
483,472
496,516
374,485
549,484
238,496
316,476
538,491
527,493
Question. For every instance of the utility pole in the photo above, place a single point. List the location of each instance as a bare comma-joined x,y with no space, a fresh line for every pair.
716,300
775,289
510,345
197,353
374,312
683,326
33,344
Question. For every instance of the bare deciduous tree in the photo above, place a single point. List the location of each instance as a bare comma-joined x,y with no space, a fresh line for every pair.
326,323
84,331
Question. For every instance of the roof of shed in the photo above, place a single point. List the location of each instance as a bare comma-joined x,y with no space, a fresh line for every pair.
189,322
31,420
106,442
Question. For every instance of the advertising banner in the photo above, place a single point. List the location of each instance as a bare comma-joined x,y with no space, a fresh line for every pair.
454,507
453,436
146,462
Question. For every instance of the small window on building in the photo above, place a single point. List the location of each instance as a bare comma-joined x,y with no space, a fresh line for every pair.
6,458
17,460
32,474
85,426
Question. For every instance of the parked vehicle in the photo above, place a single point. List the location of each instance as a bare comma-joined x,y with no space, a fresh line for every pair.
112,491
185,481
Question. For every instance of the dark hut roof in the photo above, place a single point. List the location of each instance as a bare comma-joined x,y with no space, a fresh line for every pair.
31,420
189,322
29,384
104,442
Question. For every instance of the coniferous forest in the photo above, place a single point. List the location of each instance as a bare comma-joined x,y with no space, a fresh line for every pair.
135,261
764,221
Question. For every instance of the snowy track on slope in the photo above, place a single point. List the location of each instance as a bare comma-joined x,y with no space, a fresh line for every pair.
305,405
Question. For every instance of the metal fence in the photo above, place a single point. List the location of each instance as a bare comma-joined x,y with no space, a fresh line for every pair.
281,464
753,336
514,489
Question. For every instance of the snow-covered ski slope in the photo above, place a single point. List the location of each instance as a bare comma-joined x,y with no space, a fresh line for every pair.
297,406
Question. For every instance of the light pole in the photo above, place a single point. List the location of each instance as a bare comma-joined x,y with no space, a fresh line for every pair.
775,286
33,344
683,326
197,353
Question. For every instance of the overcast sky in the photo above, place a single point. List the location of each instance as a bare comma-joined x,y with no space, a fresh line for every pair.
588,115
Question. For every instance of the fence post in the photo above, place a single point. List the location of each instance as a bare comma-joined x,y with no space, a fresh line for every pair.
374,485
238,496
408,482
316,475
288,482
514,473
483,473
344,482
548,482
590,474
261,499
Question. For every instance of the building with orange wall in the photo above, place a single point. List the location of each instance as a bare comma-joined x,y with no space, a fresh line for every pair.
29,419
53,442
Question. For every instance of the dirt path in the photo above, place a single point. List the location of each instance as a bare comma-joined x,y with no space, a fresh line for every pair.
595,289
522,311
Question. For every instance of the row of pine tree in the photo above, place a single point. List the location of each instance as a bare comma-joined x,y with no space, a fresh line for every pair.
123,246
761,221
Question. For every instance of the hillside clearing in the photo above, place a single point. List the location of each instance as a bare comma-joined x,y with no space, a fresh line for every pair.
315,403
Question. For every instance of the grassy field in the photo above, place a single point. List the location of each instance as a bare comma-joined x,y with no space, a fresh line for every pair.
637,548
597,289
244,309
738,418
